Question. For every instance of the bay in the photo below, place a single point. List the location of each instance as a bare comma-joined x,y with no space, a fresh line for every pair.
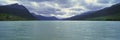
59,30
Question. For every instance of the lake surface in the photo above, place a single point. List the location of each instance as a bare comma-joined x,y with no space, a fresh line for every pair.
59,30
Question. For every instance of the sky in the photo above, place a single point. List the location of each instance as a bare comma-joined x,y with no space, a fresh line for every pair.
61,8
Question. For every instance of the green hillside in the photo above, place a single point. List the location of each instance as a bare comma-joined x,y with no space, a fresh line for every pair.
115,17
6,17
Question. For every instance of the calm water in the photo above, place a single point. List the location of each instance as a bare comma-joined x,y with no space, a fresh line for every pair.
59,30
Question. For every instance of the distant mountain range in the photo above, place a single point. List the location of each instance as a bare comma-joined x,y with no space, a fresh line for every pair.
19,12
39,17
107,14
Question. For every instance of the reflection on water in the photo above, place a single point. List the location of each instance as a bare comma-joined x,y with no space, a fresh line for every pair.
59,30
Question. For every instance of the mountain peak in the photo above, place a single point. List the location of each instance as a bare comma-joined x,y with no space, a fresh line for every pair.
15,4
16,10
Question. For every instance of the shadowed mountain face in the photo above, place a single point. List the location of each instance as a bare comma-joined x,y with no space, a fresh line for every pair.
19,12
15,12
109,13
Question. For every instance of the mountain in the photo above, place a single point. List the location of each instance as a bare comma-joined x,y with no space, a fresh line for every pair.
39,17
110,13
15,12
19,12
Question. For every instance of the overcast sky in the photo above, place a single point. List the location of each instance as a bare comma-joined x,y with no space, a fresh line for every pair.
61,8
